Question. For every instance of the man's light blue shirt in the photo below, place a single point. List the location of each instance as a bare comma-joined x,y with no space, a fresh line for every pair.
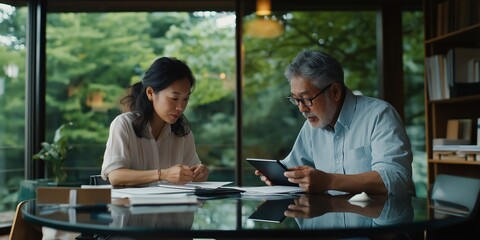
368,136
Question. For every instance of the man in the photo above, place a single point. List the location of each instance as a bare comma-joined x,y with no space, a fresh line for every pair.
349,143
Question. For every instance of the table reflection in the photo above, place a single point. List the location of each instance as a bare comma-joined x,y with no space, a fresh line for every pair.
306,215
323,211
166,217
158,217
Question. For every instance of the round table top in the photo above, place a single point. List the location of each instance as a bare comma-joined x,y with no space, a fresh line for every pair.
247,216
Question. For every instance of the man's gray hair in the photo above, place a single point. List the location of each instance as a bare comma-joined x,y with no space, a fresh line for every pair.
318,67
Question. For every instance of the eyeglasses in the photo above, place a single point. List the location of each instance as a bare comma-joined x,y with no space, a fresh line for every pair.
307,101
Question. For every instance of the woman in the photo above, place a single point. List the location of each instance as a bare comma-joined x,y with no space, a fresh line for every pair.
153,141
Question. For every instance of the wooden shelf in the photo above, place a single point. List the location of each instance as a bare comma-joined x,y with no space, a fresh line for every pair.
460,34
455,100
438,112
454,162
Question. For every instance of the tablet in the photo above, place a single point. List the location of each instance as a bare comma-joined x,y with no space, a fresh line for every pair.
272,169
272,211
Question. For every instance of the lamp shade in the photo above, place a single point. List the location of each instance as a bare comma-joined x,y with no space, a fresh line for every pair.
264,7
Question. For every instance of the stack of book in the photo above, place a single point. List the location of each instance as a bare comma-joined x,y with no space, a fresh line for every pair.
456,152
454,74
452,15
457,144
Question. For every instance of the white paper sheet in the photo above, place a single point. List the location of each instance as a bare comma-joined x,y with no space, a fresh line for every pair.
195,185
165,188
127,192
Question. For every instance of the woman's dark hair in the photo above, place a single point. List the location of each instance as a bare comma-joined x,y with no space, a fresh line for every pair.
163,72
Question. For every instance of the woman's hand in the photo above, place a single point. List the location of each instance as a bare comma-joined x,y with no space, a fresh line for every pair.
200,173
177,174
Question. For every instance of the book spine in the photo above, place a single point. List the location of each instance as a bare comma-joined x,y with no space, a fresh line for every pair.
477,157
478,132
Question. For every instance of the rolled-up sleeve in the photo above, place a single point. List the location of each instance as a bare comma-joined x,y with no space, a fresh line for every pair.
117,148
391,153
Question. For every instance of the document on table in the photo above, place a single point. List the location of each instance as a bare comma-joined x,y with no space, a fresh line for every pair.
194,185
140,204
166,199
96,186
154,190
166,188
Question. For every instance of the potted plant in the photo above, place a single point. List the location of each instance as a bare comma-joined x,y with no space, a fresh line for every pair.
55,153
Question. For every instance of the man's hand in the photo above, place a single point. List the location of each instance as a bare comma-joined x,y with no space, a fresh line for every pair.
309,206
314,205
263,178
309,179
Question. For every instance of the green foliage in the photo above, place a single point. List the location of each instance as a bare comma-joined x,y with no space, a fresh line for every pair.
90,54
266,59
55,153
210,53
414,95
12,107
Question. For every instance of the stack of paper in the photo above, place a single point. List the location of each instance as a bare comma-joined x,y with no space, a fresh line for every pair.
164,199
165,188
152,204
129,192
194,185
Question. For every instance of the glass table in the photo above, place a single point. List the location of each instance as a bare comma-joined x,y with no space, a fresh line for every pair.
287,216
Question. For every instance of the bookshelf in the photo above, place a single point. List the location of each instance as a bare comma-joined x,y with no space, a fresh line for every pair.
450,24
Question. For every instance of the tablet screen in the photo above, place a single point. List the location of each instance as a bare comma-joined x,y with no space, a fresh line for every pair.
272,169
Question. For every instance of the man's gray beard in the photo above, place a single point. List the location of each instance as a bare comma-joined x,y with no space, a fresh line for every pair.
326,121
306,115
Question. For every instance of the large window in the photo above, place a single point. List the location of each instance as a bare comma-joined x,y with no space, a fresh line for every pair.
12,106
414,95
12,102
271,123
93,57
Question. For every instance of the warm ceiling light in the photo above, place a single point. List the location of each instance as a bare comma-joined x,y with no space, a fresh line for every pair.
264,28
263,25
264,7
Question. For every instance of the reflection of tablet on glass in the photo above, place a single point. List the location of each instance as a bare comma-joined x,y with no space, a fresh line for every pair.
272,211
272,169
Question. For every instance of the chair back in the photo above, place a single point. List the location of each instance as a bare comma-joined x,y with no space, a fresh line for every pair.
456,192
98,180
23,230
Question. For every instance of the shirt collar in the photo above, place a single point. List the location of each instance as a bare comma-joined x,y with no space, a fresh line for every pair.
166,131
348,109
